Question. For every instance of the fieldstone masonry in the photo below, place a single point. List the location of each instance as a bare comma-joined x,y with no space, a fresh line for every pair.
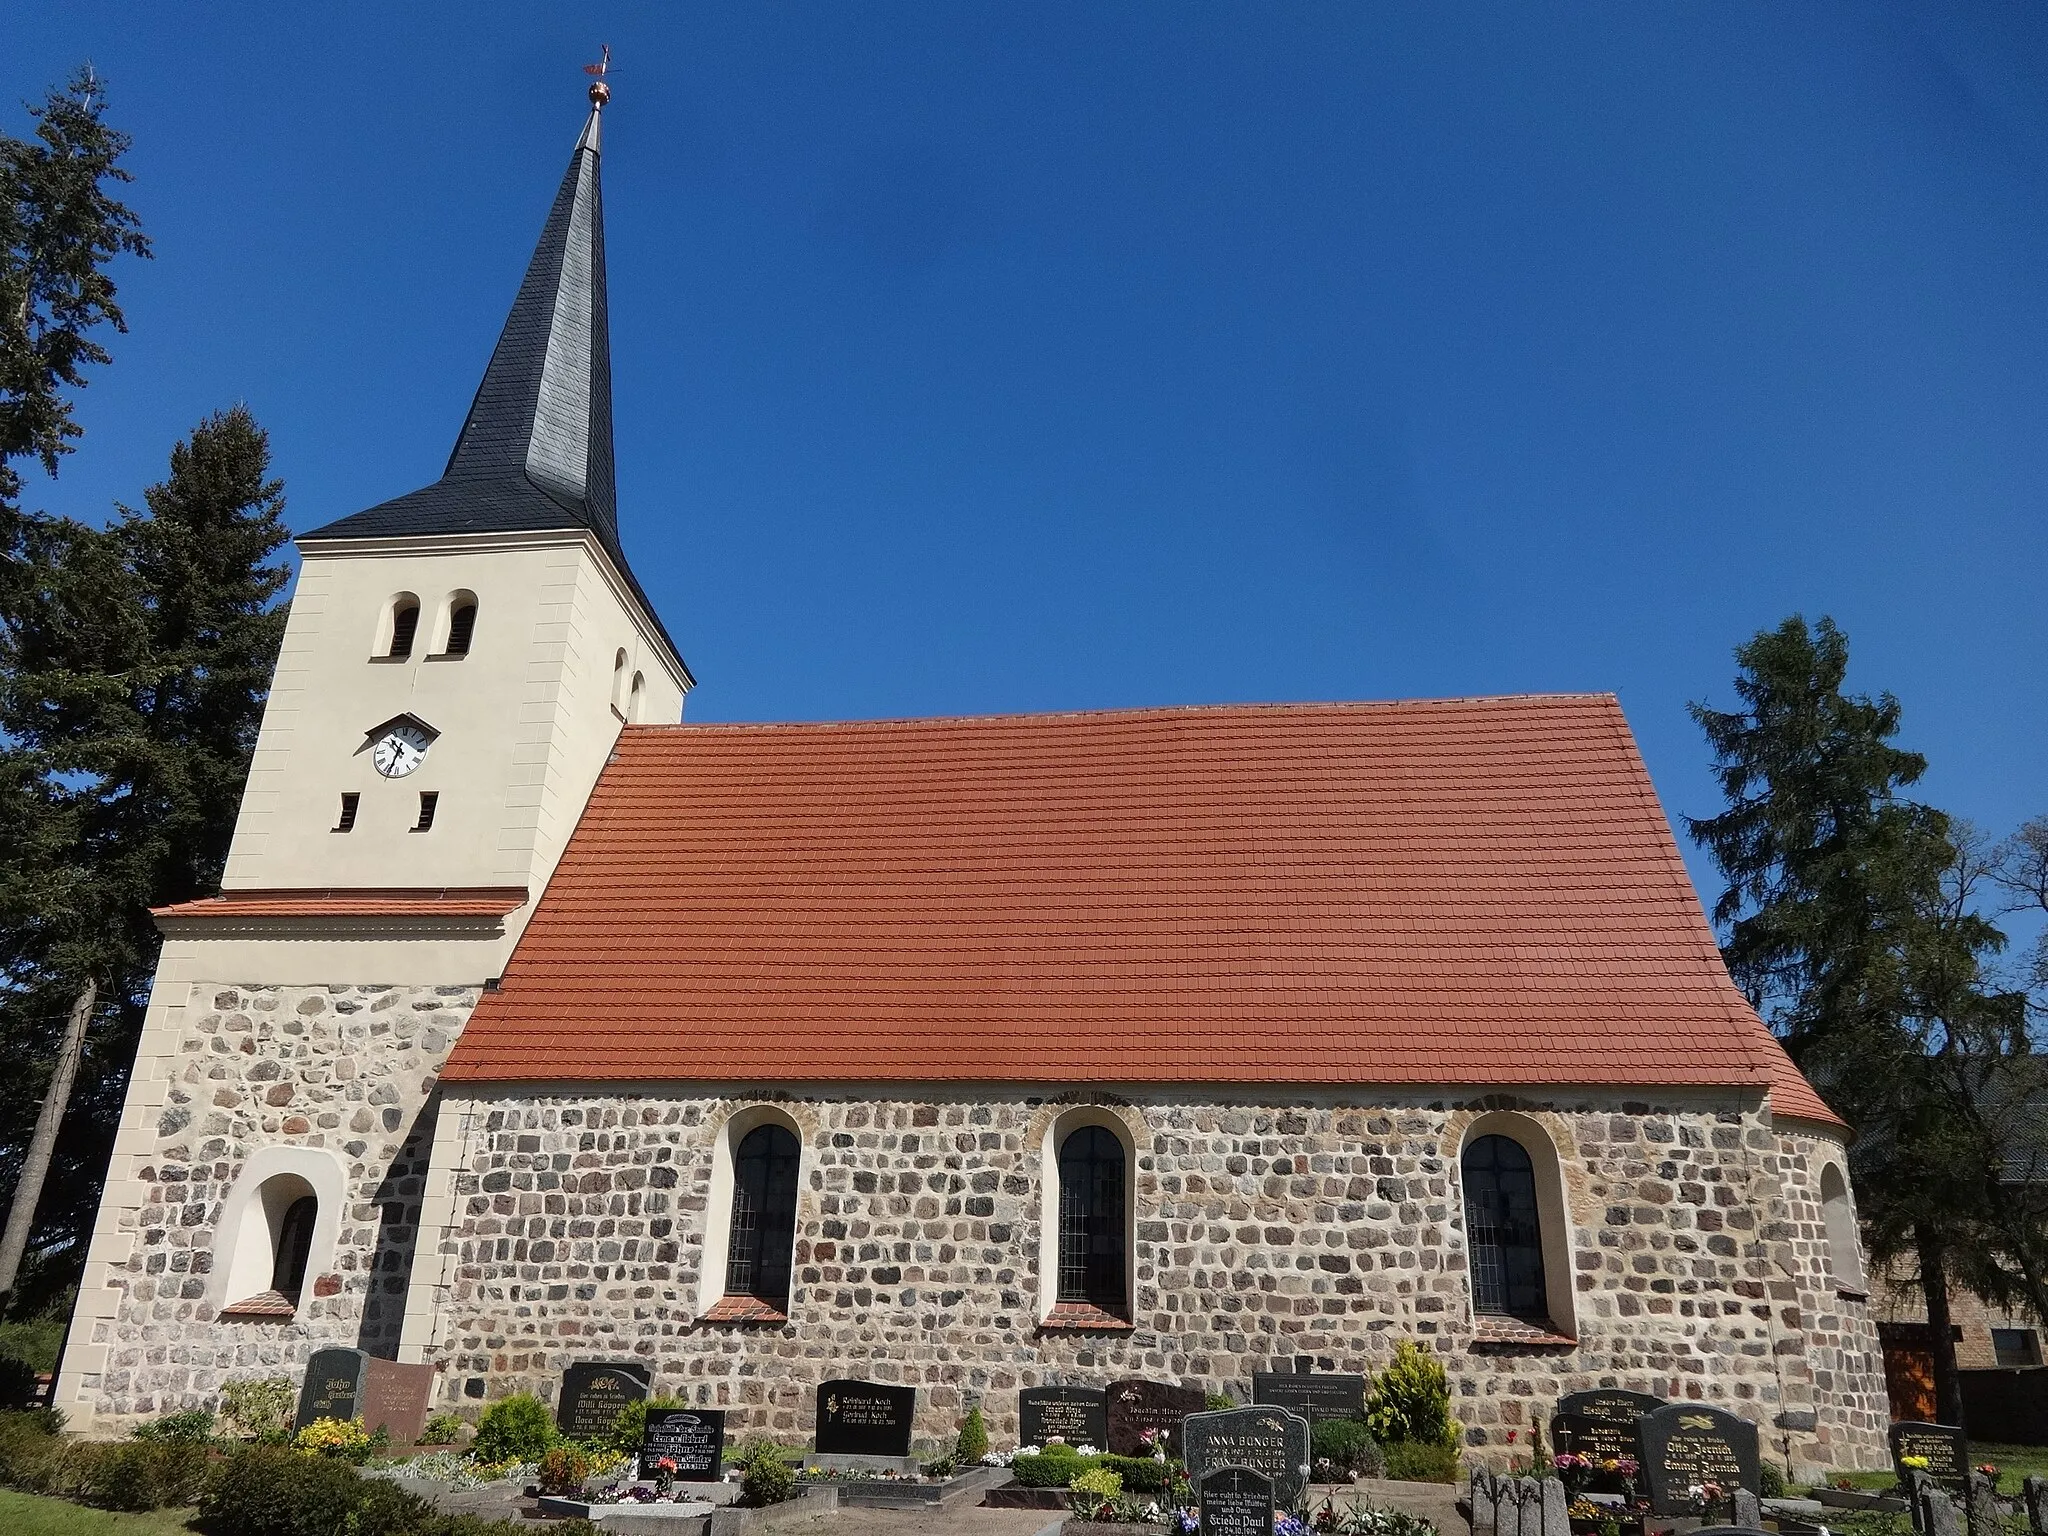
347,1068
1263,1232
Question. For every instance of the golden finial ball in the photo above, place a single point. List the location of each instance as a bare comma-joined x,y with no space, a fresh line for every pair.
600,93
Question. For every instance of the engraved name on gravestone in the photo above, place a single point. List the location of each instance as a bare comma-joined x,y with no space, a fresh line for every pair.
1946,1448
1600,1424
1234,1501
595,1393
1271,1441
1684,1445
1072,1415
395,1398
692,1438
1136,1405
333,1388
864,1418
1315,1397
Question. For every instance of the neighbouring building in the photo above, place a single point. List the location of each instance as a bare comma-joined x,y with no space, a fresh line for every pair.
532,1025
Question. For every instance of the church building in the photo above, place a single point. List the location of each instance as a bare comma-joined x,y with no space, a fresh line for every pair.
532,1025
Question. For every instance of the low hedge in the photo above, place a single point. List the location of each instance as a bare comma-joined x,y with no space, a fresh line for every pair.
1141,1474
1411,1461
133,1475
1054,1467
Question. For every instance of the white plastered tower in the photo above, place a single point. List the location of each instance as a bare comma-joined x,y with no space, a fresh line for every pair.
455,669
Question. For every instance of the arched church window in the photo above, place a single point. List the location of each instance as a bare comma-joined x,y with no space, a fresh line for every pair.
405,624
294,1247
763,1234
1091,1260
1845,1252
1503,1230
619,682
637,698
461,624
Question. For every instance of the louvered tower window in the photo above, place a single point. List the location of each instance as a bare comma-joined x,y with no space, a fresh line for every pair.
1092,1218
1502,1230
461,627
757,1255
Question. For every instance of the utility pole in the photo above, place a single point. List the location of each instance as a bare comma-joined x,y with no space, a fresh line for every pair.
36,1166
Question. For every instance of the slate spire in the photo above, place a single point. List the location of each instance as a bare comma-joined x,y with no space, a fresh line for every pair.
535,452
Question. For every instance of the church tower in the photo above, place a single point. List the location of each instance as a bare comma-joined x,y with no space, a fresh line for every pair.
455,671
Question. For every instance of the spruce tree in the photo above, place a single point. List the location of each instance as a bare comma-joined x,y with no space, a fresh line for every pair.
1842,932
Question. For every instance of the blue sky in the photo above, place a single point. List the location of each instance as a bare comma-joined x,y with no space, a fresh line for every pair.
977,358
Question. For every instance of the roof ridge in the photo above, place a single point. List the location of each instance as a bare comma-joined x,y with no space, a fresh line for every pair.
1134,711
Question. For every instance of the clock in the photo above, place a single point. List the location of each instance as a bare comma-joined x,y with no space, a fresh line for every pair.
401,748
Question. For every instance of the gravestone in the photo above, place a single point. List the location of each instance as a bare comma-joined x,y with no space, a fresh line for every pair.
1315,1397
1234,1501
1687,1444
2034,1491
595,1393
1946,1448
1136,1405
1486,1496
1980,1503
864,1418
1938,1515
395,1398
333,1388
1271,1441
692,1438
1600,1424
1071,1415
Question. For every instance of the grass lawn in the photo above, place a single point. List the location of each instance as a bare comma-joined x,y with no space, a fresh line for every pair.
2013,1462
28,1514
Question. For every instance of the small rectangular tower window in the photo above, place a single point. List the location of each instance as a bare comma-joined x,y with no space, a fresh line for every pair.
2016,1346
348,813
428,800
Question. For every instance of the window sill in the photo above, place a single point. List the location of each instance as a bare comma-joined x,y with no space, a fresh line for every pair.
746,1310
1849,1293
390,661
1490,1332
447,656
1084,1317
264,1306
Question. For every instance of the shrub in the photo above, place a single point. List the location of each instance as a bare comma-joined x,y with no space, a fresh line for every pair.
1348,1445
1054,1467
515,1428
1141,1474
272,1492
441,1429
563,1469
1218,1402
259,1407
140,1475
193,1425
630,1427
32,1458
973,1442
337,1439
1092,1490
1412,1400
1410,1461
767,1478
1770,1480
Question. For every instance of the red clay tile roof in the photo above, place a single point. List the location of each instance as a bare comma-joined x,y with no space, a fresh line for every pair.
367,901
1476,891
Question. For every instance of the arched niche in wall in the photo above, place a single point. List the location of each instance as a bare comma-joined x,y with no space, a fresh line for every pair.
269,1245
1517,1220
1845,1243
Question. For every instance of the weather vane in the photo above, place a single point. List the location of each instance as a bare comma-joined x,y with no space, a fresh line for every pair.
600,93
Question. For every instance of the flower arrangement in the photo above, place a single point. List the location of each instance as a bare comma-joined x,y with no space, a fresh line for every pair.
344,1439
1914,1463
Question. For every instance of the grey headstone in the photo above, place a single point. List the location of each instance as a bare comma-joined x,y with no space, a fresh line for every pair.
1556,1507
1938,1514
1982,1501
1271,1441
2035,1493
1486,1504
1749,1510
1528,1507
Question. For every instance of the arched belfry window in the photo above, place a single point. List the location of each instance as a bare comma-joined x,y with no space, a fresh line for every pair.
763,1229
1503,1230
461,624
402,627
619,682
1092,1219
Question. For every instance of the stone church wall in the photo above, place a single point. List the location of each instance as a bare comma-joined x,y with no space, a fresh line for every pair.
1264,1232
345,1069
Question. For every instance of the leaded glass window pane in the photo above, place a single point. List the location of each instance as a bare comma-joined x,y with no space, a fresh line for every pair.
1502,1229
1092,1218
763,1234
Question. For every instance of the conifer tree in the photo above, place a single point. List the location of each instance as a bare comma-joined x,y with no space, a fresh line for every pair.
1843,931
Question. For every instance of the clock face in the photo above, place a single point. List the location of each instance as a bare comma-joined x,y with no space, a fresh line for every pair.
400,750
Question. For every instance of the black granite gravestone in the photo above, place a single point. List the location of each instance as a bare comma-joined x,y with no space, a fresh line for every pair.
1315,1397
864,1418
1609,1403
1686,1445
1271,1441
1071,1415
692,1438
595,1393
1136,1405
333,1387
1945,1448
1601,1439
1234,1501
